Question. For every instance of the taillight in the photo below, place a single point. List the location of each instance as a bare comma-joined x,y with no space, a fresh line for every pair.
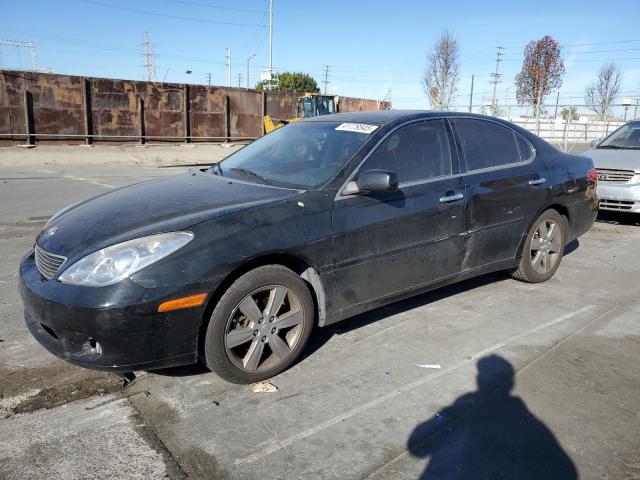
592,175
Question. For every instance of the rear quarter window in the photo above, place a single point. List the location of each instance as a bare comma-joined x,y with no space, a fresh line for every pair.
487,144
524,147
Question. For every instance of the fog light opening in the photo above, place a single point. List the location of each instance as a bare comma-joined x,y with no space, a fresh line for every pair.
95,346
49,331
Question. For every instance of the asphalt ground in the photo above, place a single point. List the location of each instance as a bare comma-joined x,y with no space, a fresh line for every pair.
489,378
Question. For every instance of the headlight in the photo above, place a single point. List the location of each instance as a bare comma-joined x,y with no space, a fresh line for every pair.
114,263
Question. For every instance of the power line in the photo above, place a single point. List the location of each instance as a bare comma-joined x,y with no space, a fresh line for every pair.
592,51
257,37
174,17
599,43
216,7
511,60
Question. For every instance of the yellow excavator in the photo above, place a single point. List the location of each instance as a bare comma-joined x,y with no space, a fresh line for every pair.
309,105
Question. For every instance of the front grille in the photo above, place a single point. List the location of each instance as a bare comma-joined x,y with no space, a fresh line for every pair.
48,263
616,204
611,175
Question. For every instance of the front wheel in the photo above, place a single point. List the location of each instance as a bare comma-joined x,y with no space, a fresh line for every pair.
259,326
543,248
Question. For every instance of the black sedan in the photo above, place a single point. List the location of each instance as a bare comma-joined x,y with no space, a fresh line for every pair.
314,223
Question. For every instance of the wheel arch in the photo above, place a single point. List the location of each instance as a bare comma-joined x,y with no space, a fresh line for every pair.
558,207
298,265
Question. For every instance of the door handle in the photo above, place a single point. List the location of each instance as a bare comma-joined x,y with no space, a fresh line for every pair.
537,181
452,198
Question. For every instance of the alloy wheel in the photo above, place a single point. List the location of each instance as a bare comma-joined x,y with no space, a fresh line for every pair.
546,245
264,328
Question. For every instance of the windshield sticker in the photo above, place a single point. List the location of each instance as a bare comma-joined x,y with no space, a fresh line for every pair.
357,127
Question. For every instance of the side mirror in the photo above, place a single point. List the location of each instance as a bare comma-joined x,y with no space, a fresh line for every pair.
377,181
595,142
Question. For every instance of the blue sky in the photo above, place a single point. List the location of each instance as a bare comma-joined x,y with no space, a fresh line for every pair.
372,46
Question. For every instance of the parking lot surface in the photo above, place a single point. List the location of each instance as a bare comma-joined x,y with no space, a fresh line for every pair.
489,378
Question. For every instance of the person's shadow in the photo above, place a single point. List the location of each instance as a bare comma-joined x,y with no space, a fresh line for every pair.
490,434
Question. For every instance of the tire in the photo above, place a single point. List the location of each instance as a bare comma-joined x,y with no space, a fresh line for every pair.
539,264
262,314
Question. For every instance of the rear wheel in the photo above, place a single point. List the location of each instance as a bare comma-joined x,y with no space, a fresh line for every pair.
543,248
259,326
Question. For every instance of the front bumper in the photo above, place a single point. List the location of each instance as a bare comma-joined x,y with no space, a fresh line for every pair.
115,328
619,197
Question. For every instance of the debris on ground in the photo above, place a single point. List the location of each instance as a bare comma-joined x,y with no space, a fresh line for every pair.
263,387
436,366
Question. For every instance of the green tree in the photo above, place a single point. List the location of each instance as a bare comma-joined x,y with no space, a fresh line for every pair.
293,82
566,111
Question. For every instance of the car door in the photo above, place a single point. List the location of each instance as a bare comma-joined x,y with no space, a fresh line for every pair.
505,186
391,242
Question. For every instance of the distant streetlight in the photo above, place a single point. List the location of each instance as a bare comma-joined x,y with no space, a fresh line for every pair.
248,60
188,72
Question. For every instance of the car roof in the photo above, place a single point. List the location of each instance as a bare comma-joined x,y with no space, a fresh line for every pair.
382,117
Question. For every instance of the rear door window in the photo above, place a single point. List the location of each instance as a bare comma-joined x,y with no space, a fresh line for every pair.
417,151
486,144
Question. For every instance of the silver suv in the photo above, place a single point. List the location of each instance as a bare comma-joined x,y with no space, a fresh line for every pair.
617,160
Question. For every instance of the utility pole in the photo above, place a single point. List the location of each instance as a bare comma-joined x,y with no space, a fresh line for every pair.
149,60
271,36
33,53
248,60
209,79
239,80
471,96
555,114
326,77
229,65
267,76
496,79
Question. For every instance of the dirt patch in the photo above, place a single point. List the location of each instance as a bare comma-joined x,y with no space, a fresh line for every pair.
51,386
59,395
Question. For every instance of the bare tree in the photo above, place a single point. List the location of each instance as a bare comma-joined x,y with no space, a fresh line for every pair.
440,80
601,92
542,71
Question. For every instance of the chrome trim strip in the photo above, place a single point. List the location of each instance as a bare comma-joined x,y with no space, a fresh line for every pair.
537,181
452,198
48,264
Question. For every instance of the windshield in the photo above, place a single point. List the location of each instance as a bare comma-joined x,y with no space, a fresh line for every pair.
299,155
628,136
316,105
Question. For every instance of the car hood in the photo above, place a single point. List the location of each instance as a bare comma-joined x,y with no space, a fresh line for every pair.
160,205
614,159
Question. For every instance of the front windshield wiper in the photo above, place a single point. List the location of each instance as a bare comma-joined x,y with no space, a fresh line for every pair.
250,173
618,147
